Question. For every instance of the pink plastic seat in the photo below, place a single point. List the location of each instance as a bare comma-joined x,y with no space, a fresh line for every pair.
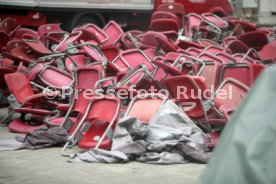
268,52
78,60
215,20
150,103
254,39
19,54
241,72
114,33
21,32
214,49
167,68
74,37
9,24
37,47
24,100
18,126
168,27
228,96
163,15
165,44
54,77
85,79
149,39
110,52
210,71
237,46
190,95
92,32
183,44
45,29
194,20
131,59
175,8
103,121
14,43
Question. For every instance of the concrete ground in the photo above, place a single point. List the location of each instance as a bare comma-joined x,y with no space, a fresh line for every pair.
266,19
48,166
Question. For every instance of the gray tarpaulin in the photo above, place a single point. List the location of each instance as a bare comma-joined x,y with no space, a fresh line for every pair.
169,138
246,153
40,138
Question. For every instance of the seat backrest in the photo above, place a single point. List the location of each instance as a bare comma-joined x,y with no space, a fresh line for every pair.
9,24
230,94
175,8
194,20
134,57
19,86
268,52
97,109
241,72
43,30
114,33
215,20
71,61
55,77
211,74
149,39
257,70
14,43
93,31
85,80
163,15
110,52
22,31
37,47
75,36
254,39
162,25
143,107
237,46
188,90
20,54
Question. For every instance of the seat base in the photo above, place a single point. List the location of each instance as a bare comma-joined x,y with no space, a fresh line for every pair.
91,137
18,126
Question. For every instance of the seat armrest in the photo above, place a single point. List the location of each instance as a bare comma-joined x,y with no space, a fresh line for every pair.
63,107
38,97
